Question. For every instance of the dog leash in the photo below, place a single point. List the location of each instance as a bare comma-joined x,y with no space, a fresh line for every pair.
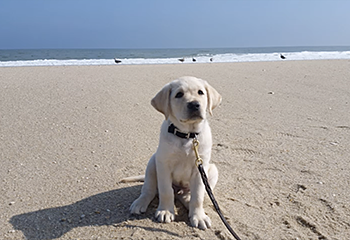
199,164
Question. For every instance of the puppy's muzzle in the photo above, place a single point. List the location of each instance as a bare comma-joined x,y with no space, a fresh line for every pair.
194,110
193,106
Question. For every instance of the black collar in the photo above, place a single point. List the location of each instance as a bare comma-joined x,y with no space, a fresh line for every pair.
174,130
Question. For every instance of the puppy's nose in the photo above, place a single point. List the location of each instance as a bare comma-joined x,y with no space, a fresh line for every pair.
193,106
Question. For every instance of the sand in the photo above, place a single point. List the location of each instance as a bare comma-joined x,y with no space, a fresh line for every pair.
281,142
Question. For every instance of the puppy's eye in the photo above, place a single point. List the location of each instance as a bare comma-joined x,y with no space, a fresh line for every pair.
200,92
179,95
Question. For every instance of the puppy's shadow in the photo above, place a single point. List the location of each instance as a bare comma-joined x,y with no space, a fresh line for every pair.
106,208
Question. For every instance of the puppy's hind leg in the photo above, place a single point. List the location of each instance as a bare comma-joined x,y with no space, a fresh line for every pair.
184,198
149,189
213,175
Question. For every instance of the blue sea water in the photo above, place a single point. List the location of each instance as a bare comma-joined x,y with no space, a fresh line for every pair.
47,57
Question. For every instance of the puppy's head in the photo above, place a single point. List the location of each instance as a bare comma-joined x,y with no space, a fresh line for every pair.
186,99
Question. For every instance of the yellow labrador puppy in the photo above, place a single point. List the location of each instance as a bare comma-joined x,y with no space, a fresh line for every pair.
171,171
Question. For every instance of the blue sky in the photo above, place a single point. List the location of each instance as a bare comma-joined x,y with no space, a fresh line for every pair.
30,24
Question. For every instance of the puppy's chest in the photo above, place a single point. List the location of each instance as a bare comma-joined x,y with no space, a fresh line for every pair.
179,156
182,159
183,164
182,170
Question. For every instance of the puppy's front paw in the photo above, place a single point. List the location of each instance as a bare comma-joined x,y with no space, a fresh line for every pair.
200,220
138,206
165,216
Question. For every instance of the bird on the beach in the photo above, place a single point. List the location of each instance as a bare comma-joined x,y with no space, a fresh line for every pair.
211,59
283,57
181,59
193,59
117,60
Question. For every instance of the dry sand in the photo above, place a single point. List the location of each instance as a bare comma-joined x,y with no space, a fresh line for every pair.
281,142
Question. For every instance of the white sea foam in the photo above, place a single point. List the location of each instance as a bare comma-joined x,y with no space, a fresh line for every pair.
229,57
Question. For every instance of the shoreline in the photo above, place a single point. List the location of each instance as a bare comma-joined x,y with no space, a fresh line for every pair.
68,134
174,64
76,57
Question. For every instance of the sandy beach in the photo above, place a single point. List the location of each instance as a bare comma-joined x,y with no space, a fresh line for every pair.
281,142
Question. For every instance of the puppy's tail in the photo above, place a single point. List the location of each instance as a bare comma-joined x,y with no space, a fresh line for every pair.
140,178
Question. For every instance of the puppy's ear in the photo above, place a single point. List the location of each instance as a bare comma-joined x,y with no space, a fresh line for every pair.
161,101
214,98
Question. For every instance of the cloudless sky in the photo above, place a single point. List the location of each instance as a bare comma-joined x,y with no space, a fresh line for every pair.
173,24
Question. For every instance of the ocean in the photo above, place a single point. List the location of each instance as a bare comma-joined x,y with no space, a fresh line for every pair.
63,57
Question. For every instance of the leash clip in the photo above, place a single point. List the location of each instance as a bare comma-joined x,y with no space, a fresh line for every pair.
195,143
